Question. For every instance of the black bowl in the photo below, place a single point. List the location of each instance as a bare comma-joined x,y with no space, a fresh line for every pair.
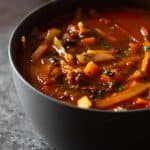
67,127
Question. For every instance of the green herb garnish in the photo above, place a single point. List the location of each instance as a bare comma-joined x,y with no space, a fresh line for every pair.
146,48
121,88
109,73
123,52
100,93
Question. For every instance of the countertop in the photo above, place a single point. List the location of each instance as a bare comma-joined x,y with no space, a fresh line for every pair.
16,131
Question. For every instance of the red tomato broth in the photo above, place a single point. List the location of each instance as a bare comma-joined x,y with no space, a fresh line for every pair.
61,74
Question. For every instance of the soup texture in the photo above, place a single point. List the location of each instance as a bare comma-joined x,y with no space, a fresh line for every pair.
92,59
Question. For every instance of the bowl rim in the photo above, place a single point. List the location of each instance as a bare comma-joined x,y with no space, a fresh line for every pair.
14,68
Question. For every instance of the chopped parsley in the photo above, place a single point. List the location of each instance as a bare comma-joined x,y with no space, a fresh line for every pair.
109,73
146,48
123,52
121,88
100,93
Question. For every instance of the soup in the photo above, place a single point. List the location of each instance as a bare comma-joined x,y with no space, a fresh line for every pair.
92,59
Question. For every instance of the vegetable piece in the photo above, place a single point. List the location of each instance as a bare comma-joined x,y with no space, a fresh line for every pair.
44,45
136,75
88,41
61,50
145,63
145,67
109,73
37,54
146,46
126,33
58,44
81,26
51,33
100,51
146,42
135,90
106,36
144,33
111,76
84,58
91,69
84,102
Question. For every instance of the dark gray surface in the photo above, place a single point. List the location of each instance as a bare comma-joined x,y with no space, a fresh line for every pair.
16,131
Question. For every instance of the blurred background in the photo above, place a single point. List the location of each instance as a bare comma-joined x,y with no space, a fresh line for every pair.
16,131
